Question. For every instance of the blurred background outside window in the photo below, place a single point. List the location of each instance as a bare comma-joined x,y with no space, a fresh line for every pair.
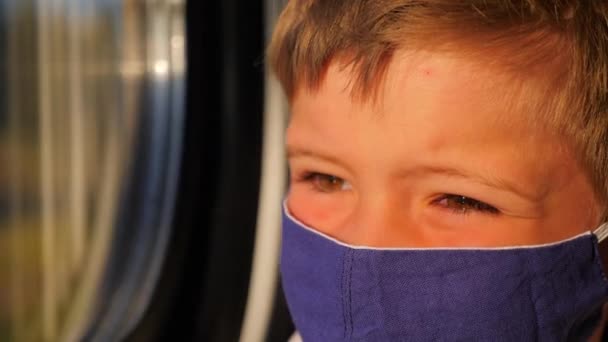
91,120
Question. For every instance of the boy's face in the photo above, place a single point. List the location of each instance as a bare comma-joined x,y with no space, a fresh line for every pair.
439,160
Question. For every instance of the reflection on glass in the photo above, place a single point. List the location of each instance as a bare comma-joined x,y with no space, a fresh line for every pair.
75,76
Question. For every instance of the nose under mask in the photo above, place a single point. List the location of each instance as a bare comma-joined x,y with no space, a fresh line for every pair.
337,292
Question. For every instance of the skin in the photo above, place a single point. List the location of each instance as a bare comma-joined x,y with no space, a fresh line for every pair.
439,160
393,172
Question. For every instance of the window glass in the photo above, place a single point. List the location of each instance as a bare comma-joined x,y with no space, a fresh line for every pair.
90,125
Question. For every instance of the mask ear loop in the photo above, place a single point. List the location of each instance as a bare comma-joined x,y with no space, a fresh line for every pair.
601,232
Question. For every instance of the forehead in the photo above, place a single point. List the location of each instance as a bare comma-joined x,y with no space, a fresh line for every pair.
435,85
524,87
432,108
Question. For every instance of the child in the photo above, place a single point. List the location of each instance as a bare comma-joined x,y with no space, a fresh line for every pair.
448,164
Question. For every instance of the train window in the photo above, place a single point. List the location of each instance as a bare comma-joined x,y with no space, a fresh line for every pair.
91,124
220,280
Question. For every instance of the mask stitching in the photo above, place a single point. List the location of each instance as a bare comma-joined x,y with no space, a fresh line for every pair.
342,280
534,299
350,298
346,284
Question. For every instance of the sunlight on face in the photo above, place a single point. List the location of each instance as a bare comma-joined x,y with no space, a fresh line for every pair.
438,161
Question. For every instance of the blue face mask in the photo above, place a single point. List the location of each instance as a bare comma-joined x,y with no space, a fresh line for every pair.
337,292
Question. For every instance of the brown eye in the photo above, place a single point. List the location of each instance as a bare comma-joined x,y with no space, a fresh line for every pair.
328,183
464,205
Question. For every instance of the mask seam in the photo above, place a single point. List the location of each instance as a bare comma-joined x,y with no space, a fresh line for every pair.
350,297
346,283
342,293
535,300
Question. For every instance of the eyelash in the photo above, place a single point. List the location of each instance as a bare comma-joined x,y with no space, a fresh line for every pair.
307,176
310,176
465,205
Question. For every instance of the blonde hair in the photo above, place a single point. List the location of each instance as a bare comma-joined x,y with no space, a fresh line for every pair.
559,46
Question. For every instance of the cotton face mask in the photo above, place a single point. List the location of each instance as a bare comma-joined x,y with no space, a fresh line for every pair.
337,292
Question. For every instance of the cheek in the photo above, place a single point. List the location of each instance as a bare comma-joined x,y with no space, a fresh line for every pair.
323,212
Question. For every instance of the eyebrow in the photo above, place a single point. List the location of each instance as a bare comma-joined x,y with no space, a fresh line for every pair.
419,171
493,182
293,152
